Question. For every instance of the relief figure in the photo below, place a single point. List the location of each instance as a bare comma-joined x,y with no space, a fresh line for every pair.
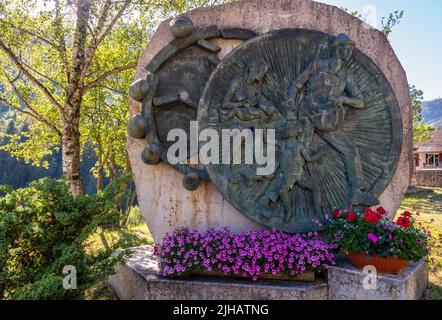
244,99
324,91
293,155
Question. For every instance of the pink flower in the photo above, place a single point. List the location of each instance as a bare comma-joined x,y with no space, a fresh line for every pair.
372,237
248,254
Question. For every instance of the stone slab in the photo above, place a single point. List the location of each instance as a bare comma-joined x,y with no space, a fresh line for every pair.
138,279
345,282
164,203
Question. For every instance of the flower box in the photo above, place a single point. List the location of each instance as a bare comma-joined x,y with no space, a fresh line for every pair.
308,276
265,254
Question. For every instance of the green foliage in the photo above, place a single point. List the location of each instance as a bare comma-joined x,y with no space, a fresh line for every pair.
420,129
134,217
39,35
44,228
388,23
416,97
352,235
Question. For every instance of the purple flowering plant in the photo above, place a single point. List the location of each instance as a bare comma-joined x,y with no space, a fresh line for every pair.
248,254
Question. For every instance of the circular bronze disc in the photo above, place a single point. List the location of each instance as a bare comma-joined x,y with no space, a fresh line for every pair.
374,131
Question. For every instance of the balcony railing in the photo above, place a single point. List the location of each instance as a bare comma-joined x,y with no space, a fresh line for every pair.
431,166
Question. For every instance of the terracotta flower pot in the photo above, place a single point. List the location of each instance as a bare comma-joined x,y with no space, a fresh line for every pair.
385,265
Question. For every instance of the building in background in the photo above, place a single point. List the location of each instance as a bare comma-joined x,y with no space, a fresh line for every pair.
428,161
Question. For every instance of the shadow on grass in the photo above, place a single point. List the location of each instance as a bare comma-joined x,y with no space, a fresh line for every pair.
434,292
423,199
130,239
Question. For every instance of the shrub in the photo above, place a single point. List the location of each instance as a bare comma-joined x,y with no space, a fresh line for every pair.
43,228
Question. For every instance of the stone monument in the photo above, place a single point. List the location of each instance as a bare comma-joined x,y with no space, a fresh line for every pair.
329,86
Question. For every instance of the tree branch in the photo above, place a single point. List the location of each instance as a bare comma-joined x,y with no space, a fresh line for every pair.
91,50
34,114
32,33
103,17
107,74
28,75
42,75
61,37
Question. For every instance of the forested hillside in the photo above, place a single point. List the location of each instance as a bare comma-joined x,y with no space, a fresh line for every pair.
17,173
432,112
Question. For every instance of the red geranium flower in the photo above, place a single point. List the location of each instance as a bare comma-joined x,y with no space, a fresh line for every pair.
337,214
351,216
372,216
407,214
381,211
404,222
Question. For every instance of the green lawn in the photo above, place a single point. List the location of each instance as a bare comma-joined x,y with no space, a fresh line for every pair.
135,233
429,205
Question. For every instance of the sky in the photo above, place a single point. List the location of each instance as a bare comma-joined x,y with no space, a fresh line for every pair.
417,39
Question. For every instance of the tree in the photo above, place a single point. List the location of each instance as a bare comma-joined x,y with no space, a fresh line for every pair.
51,63
393,19
420,129
387,23
67,67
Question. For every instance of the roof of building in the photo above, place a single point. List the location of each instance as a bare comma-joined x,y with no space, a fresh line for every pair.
432,145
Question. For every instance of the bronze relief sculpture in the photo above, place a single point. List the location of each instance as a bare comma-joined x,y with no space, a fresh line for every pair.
327,89
171,91
337,122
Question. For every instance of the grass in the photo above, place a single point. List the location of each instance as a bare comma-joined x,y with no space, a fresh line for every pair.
428,202
125,237
134,233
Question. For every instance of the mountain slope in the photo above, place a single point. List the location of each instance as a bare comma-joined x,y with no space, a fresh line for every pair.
432,112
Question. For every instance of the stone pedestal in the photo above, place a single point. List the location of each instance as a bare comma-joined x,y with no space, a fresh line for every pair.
346,282
138,279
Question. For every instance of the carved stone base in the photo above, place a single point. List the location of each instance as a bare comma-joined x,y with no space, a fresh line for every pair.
345,282
138,279
308,276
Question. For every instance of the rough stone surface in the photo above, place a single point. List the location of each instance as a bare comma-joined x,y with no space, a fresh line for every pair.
164,202
138,279
345,282
427,178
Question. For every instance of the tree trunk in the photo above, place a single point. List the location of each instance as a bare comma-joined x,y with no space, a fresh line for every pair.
100,179
71,115
71,152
